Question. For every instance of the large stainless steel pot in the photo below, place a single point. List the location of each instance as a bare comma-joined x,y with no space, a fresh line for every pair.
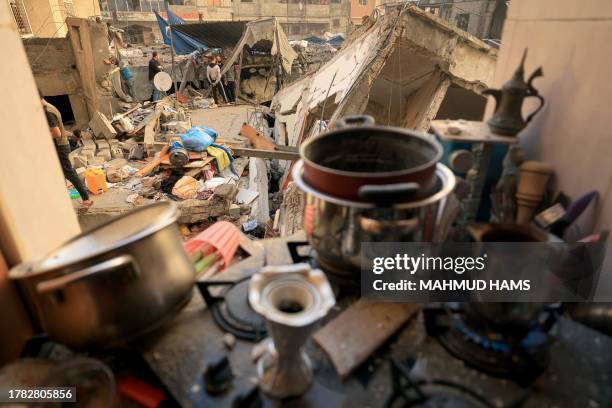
336,227
341,162
113,283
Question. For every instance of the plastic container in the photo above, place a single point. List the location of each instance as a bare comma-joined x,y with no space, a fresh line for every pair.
95,179
74,194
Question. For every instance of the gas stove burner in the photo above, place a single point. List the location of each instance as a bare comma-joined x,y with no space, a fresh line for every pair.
519,359
232,311
343,281
430,394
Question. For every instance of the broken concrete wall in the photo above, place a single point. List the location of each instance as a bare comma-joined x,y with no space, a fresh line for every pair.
90,45
427,57
54,67
461,103
74,66
397,69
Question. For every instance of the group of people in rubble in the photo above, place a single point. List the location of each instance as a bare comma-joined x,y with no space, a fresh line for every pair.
222,87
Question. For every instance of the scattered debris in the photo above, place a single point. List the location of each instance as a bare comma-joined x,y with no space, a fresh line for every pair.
245,196
351,337
250,225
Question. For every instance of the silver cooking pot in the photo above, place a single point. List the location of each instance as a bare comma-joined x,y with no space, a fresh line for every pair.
113,283
336,228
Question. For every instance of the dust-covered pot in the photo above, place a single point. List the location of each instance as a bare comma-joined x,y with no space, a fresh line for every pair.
113,283
342,162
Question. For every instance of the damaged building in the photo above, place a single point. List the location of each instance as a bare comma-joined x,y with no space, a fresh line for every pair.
73,71
401,69
286,203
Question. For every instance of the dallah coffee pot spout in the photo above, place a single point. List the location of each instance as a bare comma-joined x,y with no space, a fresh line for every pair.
508,119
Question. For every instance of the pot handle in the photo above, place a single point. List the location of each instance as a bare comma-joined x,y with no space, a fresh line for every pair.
355,120
386,195
103,267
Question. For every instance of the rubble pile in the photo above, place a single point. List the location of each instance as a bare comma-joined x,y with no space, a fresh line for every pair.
311,56
152,152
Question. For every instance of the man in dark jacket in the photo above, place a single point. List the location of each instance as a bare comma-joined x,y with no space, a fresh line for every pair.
154,67
62,146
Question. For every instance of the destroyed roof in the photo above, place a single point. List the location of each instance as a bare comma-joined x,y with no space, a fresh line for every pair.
396,54
266,29
219,34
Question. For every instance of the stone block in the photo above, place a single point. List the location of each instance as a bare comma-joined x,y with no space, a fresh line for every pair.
234,211
88,144
88,153
79,161
96,161
117,163
176,126
102,127
106,153
227,191
102,144
114,175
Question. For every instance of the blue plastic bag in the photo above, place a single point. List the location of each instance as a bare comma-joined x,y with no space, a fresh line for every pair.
197,139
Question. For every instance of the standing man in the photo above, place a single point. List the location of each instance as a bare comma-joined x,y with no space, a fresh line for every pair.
128,78
154,67
213,75
54,118
203,67
230,82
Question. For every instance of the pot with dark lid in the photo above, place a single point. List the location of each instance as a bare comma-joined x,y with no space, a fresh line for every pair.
358,154
112,283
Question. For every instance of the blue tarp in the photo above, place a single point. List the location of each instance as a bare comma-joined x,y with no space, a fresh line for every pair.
183,44
334,41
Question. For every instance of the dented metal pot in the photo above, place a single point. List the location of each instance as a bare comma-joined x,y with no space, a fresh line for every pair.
113,283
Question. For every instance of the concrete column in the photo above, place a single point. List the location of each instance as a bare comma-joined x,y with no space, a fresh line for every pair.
258,181
425,102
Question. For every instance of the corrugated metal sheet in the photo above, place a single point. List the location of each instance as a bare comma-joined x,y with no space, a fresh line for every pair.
222,34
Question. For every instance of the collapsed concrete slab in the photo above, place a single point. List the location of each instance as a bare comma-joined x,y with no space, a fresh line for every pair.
397,69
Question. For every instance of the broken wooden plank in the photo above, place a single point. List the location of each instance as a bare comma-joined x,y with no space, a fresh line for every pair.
257,139
153,164
198,171
266,154
351,337
126,113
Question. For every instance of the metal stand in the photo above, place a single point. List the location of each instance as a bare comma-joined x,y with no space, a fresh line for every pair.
482,140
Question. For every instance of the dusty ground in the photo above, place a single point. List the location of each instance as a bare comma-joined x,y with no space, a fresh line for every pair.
226,120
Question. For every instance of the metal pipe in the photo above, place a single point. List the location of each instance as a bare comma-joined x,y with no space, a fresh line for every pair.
172,69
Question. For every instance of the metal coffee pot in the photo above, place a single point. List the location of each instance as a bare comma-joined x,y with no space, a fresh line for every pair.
507,119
